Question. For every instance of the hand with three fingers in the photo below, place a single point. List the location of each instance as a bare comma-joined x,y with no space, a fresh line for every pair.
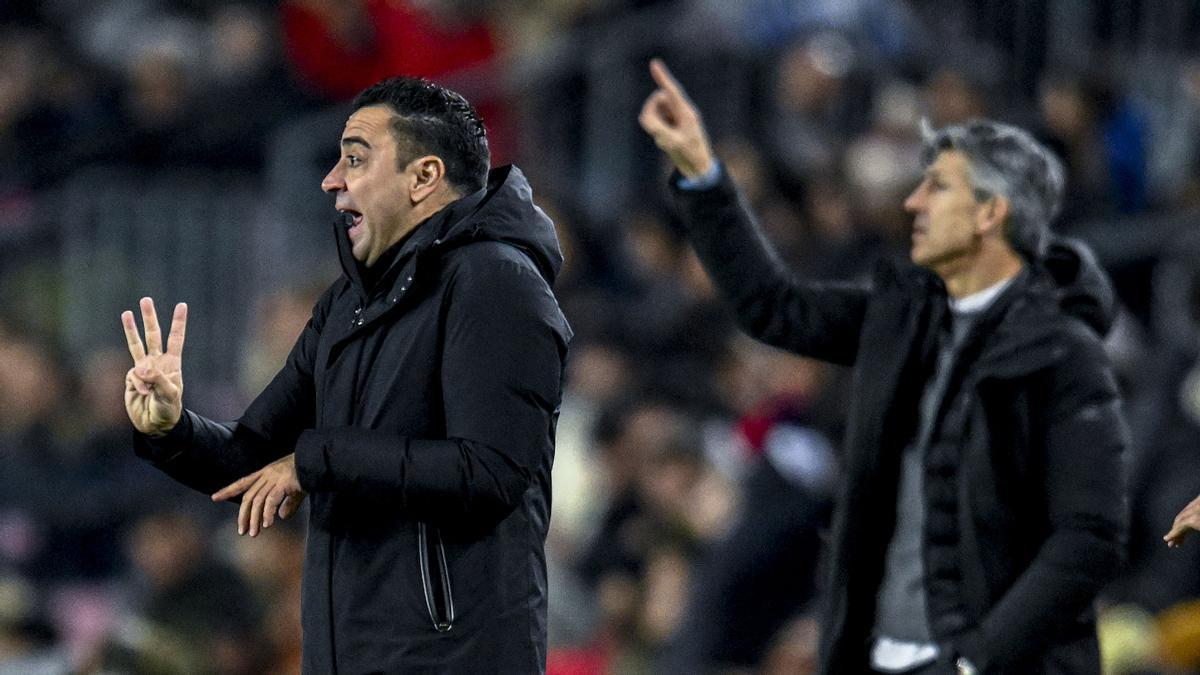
154,385
275,488
154,403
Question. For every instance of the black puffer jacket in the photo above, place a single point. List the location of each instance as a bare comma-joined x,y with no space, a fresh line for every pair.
422,414
1024,490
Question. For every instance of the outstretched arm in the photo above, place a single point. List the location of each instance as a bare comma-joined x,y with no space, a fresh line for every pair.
818,320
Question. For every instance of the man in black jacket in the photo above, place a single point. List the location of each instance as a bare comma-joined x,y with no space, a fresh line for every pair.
416,411
982,505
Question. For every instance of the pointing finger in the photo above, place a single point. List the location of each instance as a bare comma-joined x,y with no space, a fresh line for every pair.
1176,536
235,488
178,329
664,79
150,322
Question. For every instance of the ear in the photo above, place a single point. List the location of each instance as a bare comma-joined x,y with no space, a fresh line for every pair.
426,176
992,215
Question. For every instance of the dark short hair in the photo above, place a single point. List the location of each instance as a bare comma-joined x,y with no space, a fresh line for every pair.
1007,161
432,120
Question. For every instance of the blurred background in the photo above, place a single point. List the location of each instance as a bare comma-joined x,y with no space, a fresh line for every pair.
174,148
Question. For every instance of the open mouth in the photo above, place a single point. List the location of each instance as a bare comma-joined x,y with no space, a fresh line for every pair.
353,220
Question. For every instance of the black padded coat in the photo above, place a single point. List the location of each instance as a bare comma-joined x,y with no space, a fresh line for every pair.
1025,506
422,413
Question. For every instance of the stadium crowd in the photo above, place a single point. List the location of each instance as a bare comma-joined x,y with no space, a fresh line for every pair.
695,467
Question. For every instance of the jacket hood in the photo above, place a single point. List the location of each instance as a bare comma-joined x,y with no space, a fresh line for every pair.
503,211
1081,285
1026,323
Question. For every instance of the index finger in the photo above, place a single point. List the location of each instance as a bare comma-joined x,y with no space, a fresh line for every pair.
178,329
132,339
1176,536
235,488
664,79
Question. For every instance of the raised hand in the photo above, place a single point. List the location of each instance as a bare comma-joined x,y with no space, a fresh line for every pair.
154,385
273,488
671,118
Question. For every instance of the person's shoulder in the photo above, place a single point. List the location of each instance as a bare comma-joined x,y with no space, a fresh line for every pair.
487,256
492,268
1043,311
1070,344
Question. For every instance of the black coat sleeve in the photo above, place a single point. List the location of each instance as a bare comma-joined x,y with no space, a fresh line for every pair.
1084,491
504,345
821,320
206,455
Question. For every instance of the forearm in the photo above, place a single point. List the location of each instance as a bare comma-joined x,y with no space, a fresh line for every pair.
205,455
815,319
1084,492
433,480
1048,600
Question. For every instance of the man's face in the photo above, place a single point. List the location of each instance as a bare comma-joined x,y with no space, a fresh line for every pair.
946,213
368,186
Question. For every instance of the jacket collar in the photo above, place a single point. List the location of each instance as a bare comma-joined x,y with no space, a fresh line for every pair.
428,234
1022,330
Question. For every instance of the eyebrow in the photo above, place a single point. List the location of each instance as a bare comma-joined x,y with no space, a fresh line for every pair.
350,140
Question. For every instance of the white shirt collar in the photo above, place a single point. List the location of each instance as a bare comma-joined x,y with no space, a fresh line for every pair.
979,300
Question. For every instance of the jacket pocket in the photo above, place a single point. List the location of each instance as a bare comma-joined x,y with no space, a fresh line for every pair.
435,577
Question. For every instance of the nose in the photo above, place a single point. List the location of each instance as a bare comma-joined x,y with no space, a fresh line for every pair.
334,181
915,200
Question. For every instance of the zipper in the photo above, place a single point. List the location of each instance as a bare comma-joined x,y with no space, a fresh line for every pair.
440,600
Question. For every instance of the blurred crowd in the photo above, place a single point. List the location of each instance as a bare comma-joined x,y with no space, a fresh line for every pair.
694,467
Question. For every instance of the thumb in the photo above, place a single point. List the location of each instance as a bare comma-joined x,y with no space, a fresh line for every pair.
164,389
135,383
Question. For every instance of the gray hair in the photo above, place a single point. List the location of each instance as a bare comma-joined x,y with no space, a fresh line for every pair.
1006,161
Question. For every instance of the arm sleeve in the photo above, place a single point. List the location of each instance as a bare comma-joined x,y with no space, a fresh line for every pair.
206,455
504,345
1085,493
821,320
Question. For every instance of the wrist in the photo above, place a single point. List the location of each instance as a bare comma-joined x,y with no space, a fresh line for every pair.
702,181
699,168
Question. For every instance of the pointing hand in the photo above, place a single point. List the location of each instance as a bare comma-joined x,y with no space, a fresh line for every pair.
671,118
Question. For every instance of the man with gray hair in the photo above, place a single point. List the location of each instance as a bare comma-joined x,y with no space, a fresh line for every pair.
982,503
